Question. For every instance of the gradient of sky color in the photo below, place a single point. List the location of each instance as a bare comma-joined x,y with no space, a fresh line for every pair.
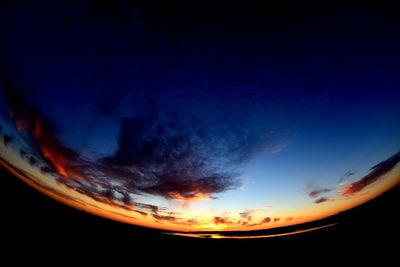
282,101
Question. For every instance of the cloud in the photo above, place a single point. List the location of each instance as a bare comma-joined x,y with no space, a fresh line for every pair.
176,154
65,161
279,147
322,200
266,220
263,221
277,219
220,220
164,218
318,191
288,219
175,220
247,214
42,132
164,154
376,173
32,159
344,180
349,174
7,139
153,157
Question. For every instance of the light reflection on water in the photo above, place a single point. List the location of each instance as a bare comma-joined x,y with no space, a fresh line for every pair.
223,236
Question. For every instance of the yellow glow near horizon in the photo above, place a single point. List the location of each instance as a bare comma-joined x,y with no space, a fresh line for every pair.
204,221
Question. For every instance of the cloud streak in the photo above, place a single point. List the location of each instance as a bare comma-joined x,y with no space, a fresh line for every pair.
323,200
318,191
376,173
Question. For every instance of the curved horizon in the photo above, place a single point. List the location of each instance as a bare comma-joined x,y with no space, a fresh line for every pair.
201,118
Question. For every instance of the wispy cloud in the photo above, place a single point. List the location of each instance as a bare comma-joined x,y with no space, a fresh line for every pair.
345,179
266,220
248,213
222,220
323,199
316,192
376,173
277,219
279,147
349,174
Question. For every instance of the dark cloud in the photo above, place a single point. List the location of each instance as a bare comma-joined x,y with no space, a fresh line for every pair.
143,213
246,215
46,170
151,208
277,219
7,139
32,161
316,194
376,172
322,200
32,158
221,220
266,220
177,153
318,191
263,221
349,174
174,157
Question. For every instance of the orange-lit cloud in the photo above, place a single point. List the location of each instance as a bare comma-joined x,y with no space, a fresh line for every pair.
194,197
175,220
225,221
51,148
376,172
28,120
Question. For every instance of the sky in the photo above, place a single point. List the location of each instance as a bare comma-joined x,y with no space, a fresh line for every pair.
201,117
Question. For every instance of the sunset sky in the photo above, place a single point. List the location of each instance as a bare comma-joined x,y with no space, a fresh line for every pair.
187,118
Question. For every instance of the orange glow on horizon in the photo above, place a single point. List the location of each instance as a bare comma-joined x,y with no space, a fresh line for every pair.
205,221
